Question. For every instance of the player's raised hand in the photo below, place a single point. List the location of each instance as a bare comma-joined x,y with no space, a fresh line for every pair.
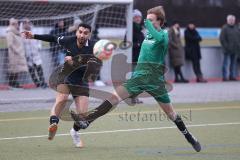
27,34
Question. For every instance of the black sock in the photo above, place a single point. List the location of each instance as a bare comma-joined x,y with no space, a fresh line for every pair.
181,126
54,119
76,127
104,108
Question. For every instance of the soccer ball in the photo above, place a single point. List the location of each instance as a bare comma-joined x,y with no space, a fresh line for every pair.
103,49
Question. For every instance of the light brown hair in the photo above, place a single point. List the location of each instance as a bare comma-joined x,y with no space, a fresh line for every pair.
159,12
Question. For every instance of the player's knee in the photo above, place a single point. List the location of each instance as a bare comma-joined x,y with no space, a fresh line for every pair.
114,99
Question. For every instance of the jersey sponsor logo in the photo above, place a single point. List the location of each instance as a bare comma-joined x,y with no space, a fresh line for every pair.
149,41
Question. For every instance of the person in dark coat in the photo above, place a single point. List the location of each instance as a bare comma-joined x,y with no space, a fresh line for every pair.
56,50
176,52
192,50
138,38
229,39
95,38
138,35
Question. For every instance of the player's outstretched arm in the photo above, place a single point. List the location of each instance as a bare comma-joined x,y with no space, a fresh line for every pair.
44,37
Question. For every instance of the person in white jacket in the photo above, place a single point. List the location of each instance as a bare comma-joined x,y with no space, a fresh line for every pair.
16,55
34,60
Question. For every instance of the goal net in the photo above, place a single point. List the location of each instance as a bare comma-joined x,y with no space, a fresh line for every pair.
110,19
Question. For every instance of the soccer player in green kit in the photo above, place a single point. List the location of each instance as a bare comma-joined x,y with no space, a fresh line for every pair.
147,77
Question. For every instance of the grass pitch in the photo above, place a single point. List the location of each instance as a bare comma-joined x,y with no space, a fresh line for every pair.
138,132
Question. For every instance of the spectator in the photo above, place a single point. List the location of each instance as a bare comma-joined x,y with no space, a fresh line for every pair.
33,56
57,52
138,37
16,55
238,55
176,52
229,39
192,50
72,29
94,39
94,36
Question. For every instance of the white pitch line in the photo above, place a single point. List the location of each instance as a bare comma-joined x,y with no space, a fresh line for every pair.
125,130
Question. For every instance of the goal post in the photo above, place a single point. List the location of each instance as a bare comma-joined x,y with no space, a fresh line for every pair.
112,18
78,1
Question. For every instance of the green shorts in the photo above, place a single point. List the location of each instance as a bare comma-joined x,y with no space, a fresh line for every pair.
151,84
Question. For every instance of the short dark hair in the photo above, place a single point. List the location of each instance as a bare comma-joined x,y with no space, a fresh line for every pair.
84,25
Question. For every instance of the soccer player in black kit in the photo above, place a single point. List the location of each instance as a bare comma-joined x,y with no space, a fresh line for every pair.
79,51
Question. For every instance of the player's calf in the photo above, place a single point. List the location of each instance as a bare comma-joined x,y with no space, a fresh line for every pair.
189,137
193,141
84,120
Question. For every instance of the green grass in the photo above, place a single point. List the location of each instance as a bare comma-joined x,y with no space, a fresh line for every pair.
3,43
220,142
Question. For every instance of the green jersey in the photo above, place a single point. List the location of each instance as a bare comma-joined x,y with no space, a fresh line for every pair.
149,73
153,50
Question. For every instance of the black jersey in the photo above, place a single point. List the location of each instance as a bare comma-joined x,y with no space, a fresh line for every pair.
86,52
70,44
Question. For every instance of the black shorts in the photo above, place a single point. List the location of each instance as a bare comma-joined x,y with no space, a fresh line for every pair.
79,90
77,87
